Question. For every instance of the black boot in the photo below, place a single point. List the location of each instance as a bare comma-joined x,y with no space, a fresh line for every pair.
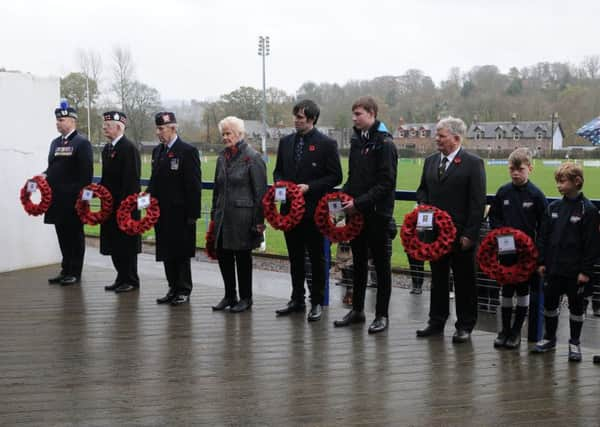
503,335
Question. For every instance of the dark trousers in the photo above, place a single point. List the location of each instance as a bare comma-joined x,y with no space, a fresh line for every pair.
126,266
306,236
463,269
375,236
554,289
417,274
72,247
179,275
229,261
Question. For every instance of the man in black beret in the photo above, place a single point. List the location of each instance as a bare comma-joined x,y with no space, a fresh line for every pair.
121,176
70,167
176,182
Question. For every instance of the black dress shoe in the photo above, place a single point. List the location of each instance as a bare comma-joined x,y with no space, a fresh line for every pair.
291,307
167,298
513,342
380,324
69,280
430,331
416,291
243,305
461,336
126,287
224,303
351,317
180,299
112,287
55,280
315,313
500,340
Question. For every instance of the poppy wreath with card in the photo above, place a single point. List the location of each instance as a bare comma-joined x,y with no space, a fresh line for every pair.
521,270
295,200
422,251
131,226
209,248
40,208
82,207
323,221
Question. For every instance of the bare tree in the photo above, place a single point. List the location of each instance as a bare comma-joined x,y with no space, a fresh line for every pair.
591,65
123,73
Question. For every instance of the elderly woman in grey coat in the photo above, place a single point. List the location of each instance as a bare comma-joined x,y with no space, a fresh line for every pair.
240,183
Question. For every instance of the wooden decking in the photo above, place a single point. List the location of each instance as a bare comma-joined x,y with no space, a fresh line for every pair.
81,356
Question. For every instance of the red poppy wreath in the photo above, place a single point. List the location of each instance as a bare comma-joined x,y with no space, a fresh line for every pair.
294,198
520,271
419,250
83,206
40,208
209,248
346,233
132,226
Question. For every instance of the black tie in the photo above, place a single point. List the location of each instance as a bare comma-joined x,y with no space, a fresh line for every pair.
442,167
299,149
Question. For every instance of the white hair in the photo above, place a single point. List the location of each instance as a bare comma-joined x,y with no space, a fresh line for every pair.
233,123
454,125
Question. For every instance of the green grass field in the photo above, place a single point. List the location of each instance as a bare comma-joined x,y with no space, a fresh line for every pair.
409,173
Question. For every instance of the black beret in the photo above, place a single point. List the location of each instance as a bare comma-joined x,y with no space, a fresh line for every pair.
116,116
164,118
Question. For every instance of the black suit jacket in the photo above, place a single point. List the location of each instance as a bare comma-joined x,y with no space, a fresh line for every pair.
70,168
319,167
176,182
121,176
460,191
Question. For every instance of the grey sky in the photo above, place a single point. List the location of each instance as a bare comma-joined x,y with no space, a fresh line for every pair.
193,49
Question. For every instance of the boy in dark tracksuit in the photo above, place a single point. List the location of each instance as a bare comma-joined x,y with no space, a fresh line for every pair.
568,245
372,182
521,205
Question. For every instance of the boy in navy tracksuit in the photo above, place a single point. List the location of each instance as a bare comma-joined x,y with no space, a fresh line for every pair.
518,204
568,245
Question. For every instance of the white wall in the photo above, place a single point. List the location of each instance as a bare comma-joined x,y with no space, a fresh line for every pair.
27,106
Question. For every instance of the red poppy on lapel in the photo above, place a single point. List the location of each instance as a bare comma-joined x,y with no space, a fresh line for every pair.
457,160
113,154
247,159
311,148
170,154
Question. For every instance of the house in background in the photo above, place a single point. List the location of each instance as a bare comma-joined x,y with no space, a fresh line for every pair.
540,137
415,136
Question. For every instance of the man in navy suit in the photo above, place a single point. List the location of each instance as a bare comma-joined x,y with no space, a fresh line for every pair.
70,168
176,182
454,180
311,160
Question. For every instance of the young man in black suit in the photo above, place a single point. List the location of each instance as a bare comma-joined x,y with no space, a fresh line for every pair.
371,181
176,182
121,168
454,180
311,160
70,168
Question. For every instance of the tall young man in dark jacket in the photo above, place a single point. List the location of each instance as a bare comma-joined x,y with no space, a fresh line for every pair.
70,168
311,160
371,182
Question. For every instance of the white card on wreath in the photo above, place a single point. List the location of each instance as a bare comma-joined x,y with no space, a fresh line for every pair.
280,194
31,186
506,244
335,206
87,195
143,201
425,220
